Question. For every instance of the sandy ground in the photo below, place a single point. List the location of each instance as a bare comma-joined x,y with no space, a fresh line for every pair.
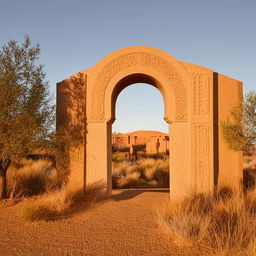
125,224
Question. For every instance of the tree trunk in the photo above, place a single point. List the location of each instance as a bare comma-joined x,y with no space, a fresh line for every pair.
3,186
4,164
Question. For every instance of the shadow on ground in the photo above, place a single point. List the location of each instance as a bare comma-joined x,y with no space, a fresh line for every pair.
93,196
127,194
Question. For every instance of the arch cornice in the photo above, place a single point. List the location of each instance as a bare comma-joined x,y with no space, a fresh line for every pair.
135,57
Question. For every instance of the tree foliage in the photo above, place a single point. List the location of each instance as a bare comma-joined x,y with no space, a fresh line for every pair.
239,130
26,112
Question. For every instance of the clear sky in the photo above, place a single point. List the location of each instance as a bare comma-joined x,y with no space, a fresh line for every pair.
75,35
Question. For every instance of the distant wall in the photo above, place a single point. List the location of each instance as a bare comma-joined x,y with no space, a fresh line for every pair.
154,141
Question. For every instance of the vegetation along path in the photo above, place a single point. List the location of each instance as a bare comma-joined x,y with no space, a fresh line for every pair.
125,224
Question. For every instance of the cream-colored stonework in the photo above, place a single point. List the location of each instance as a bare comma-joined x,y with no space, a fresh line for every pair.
196,99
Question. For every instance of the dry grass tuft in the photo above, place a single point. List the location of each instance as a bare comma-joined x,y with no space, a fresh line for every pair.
56,204
224,224
250,158
146,172
250,167
31,177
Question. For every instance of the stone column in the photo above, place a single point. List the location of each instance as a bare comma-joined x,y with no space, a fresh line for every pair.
99,154
181,183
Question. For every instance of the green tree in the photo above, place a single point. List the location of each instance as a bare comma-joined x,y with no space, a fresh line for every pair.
26,111
239,130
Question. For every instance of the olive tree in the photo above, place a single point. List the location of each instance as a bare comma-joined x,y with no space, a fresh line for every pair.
26,109
239,130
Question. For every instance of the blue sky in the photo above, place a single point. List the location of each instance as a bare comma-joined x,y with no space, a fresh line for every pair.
75,35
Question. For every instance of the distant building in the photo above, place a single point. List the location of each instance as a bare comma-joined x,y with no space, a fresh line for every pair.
148,141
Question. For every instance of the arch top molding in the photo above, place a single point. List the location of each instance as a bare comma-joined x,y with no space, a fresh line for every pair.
137,58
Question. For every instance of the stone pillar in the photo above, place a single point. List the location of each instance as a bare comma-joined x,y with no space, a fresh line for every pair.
99,154
181,182
229,163
71,113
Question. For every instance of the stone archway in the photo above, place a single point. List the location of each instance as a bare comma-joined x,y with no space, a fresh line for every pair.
193,105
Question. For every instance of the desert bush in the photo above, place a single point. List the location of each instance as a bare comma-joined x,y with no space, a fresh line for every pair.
55,204
219,224
30,177
124,156
250,157
48,206
249,166
155,156
142,173
119,156
249,179
239,130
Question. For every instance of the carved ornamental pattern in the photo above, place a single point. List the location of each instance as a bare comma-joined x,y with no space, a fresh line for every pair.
202,173
201,95
132,60
201,110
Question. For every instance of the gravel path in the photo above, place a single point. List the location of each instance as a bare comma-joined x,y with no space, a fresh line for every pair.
125,224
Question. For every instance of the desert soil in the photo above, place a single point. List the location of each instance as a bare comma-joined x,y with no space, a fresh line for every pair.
125,224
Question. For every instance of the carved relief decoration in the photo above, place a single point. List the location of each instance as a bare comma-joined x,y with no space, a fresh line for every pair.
202,171
202,174
201,94
138,59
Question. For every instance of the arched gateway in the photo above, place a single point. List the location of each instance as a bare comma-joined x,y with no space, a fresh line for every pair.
196,99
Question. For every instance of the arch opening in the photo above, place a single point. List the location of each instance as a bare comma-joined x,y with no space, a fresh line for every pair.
116,72
137,78
140,141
